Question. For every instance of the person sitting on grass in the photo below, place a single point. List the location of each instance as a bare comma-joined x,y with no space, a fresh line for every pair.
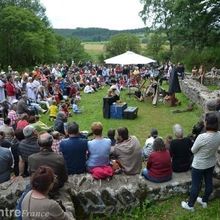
159,166
88,89
59,123
75,107
53,109
38,125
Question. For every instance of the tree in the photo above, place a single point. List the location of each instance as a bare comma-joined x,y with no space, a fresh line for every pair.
71,49
189,23
33,5
24,38
159,15
155,45
121,43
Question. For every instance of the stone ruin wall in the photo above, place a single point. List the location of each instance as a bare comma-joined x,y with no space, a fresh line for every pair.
198,93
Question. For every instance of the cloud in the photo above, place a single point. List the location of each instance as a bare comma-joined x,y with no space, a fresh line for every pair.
111,14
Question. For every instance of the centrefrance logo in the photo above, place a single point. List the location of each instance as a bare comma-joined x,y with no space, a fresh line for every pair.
21,213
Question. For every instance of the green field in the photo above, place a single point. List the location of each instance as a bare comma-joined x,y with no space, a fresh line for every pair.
160,117
95,49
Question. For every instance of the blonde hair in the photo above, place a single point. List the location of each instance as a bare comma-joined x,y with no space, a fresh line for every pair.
97,128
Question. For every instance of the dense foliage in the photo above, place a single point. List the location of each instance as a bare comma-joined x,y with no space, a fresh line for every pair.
26,38
121,43
191,29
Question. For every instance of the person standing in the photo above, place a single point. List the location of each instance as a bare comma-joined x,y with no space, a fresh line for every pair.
2,88
204,150
10,89
174,87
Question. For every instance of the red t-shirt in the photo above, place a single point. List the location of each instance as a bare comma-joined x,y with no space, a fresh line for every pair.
10,89
22,124
159,164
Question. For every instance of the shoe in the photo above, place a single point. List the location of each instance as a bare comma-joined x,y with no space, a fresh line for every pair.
186,206
203,204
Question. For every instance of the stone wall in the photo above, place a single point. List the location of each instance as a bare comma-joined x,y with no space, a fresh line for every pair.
196,92
209,80
83,196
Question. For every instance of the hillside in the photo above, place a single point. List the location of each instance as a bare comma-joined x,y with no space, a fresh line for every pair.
96,34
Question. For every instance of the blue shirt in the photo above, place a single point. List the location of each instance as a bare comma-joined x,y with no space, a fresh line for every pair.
74,150
5,164
99,151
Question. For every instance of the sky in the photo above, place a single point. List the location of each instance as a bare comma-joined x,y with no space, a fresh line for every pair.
110,14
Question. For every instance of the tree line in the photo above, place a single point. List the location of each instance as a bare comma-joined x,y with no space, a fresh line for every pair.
96,34
27,39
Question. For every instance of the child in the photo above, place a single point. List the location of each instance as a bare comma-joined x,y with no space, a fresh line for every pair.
78,97
75,107
57,137
64,108
53,111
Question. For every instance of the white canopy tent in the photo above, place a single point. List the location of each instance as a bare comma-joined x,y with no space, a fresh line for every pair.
128,58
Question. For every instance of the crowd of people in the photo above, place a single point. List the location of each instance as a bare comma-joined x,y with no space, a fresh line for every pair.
28,147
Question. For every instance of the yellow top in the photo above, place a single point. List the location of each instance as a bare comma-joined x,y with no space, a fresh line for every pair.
53,110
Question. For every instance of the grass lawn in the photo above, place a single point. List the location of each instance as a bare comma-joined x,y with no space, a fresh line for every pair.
160,117
170,210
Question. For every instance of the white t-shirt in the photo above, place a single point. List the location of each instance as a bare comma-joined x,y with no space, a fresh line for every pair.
204,150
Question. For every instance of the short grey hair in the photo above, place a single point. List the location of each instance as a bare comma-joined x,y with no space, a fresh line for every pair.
45,140
178,130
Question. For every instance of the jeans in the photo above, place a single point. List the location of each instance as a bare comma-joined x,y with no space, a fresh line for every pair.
197,178
145,173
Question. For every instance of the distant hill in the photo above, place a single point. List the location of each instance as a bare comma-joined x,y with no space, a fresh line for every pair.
96,34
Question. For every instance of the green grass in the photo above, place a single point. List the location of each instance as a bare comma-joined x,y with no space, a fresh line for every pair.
94,49
160,117
213,87
170,210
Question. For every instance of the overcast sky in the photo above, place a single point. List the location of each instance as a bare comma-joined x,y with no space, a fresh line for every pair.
111,14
